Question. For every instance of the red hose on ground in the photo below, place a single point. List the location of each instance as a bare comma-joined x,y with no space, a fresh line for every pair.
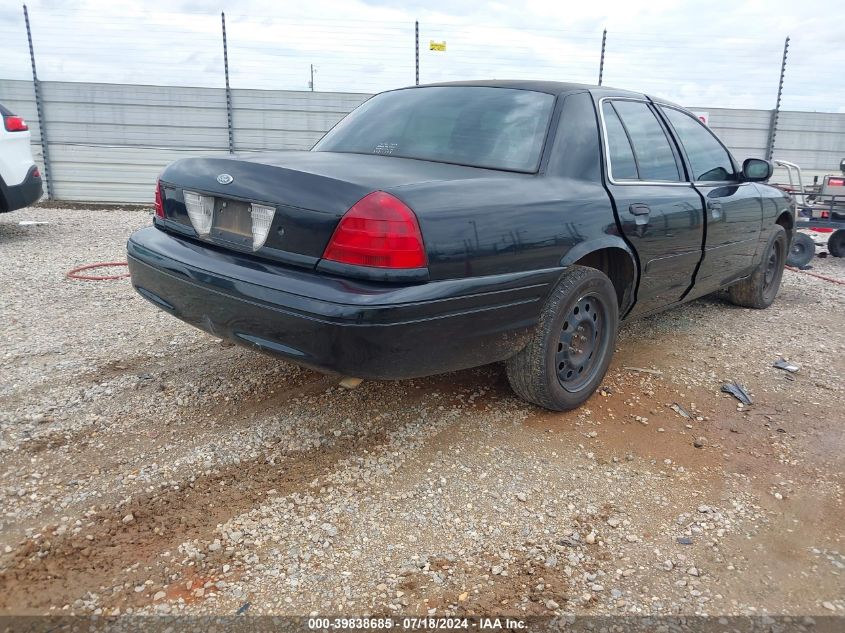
74,273
807,272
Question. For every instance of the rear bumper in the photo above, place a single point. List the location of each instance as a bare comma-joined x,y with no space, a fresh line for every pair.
24,194
356,328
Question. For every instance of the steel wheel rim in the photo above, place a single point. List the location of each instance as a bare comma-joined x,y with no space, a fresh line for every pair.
581,343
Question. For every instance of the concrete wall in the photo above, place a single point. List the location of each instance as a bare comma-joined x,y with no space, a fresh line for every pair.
108,142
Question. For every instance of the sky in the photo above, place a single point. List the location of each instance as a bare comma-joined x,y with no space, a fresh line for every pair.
699,54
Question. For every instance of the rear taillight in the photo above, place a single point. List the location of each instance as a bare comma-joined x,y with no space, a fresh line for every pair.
379,231
36,173
159,204
14,123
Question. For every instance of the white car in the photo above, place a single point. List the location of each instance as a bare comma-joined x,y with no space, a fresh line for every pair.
20,180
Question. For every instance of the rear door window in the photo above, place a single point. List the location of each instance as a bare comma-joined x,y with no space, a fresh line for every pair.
623,166
710,162
655,160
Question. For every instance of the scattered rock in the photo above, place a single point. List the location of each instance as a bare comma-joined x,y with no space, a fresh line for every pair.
253,466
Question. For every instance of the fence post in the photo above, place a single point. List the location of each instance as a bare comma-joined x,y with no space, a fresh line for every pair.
601,60
39,108
417,40
228,90
773,126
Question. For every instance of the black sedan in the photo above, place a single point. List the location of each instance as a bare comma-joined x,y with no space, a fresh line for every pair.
447,226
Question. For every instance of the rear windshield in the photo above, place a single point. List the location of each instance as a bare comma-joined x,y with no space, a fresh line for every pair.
496,128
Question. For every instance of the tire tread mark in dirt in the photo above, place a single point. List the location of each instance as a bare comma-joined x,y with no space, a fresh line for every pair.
56,570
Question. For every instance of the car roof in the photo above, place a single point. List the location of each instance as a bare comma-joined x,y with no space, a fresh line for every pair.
549,87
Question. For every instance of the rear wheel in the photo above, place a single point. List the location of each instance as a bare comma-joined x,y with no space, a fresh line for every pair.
803,250
760,289
569,352
836,243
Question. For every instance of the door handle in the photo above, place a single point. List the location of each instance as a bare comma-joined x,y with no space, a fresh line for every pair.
715,208
641,213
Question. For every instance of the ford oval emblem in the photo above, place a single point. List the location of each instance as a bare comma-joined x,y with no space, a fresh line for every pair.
224,179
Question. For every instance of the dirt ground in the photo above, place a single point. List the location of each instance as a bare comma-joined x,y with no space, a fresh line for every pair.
146,467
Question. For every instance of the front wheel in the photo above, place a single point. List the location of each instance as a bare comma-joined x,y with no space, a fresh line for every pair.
570,350
760,289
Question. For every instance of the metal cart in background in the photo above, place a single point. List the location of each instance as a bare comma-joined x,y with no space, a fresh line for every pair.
820,208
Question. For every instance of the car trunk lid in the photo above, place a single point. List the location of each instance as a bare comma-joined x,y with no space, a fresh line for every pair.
309,191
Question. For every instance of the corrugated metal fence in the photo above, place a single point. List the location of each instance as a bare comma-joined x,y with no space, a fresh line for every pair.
108,142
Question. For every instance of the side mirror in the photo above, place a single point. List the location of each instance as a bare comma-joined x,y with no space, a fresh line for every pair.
757,169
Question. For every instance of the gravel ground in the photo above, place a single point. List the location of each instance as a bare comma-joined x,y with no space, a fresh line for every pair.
149,468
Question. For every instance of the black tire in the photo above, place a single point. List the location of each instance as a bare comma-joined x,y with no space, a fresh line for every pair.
836,243
569,352
801,251
760,289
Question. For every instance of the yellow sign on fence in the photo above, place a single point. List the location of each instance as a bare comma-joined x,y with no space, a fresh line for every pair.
436,46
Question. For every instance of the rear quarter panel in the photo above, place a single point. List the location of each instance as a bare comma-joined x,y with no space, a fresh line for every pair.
493,226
